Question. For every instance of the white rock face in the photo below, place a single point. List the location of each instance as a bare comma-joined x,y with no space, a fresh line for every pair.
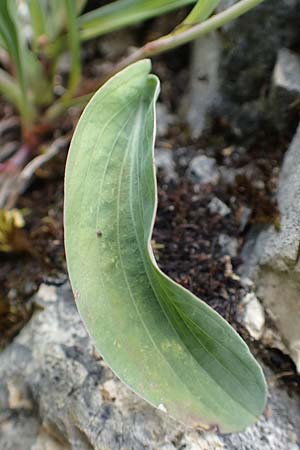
56,393
275,259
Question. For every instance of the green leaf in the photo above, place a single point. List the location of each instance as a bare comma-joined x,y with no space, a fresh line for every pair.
10,89
13,45
49,17
74,45
121,13
38,14
162,341
201,11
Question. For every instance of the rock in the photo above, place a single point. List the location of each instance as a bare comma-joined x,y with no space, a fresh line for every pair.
228,175
204,82
203,170
56,393
164,160
253,316
240,77
216,206
274,260
163,119
228,244
286,74
285,90
242,83
244,217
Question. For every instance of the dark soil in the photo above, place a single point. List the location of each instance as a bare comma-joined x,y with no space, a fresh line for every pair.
22,273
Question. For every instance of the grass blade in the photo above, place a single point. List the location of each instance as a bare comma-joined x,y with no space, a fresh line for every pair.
201,11
122,13
13,45
74,46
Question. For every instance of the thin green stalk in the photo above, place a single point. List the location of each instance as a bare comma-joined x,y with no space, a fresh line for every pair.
10,89
74,46
15,47
174,39
61,106
37,19
162,45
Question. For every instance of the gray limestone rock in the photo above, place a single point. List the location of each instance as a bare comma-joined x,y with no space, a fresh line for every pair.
231,70
203,170
216,206
248,57
56,393
285,90
229,245
274,258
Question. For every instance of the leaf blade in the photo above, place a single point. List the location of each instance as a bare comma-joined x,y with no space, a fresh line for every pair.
10,39
201,11
121,13
166,344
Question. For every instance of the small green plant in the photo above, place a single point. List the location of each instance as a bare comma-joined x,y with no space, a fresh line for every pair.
162,341
35,33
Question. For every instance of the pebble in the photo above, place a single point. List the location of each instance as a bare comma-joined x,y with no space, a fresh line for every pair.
228,244
216,206
164,160
253,315
203,170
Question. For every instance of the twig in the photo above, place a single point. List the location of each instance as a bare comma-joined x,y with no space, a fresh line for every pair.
273,378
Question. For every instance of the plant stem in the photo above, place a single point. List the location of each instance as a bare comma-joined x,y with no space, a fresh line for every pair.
173,40
73,38
161,45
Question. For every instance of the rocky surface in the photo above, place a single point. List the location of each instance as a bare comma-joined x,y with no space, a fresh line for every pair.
57,394
244,83
232,70
274,260
285,89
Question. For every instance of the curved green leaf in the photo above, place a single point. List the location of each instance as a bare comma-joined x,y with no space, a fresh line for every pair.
162,341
